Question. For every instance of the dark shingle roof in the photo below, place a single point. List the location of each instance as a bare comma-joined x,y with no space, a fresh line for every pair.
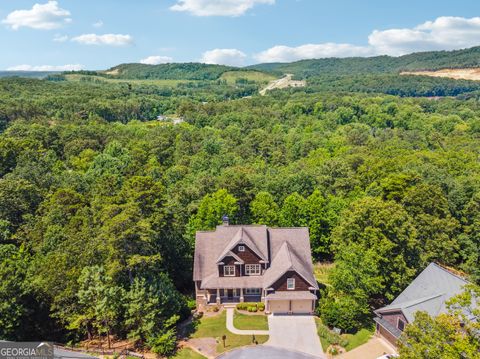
429,292
284,248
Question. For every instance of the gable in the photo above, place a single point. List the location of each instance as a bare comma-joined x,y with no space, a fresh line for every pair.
300,283
248,255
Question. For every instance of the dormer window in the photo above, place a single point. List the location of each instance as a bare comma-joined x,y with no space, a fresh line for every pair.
401,324
291,283
241,248
229,271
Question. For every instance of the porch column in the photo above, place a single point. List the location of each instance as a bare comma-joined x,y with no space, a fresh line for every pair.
218,296
241,295
262,298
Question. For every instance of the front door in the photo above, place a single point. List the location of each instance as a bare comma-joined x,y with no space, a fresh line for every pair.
230,294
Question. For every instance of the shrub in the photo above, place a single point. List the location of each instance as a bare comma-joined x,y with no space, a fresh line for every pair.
216,308
331,337
247,305
192,304
252,308
242,306
164,344
343,311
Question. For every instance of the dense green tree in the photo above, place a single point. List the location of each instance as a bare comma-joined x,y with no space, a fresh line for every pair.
212,208
293,211
450,335
378,236
264,209
100,302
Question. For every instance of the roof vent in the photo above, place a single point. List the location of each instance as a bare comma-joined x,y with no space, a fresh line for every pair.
225,220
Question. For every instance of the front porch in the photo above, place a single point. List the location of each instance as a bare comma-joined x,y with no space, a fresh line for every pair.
233,295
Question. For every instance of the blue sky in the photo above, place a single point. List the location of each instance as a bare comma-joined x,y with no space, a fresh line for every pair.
88,34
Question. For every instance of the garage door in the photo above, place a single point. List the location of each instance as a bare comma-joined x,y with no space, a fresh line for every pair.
279,306
301,306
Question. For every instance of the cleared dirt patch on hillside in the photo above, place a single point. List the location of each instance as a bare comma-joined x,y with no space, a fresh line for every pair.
282,83
457,74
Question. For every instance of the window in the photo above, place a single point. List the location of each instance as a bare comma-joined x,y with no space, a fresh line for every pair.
241,248
290,283
229,271
401,324
253,269
252,291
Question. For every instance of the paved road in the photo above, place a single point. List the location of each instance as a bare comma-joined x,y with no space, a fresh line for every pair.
234,330
264,352
295,332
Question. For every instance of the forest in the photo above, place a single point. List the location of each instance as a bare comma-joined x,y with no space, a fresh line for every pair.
100,200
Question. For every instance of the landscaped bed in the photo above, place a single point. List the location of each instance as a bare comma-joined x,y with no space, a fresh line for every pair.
215,327
346,341
250,322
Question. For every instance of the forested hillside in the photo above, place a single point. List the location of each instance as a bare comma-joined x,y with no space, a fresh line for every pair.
380,64
100,200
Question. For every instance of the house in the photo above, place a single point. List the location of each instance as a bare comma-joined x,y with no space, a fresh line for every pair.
255,263
429,292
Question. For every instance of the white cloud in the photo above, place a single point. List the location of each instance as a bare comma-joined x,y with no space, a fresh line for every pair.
98,24
311,51
156,60
60,38
41,16
107,39
217,7
444,33
76,67
231,57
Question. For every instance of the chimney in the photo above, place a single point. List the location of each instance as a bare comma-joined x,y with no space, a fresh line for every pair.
225,220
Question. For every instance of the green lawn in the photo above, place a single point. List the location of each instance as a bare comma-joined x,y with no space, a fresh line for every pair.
357,339
214,327
187,353
250,322
321,272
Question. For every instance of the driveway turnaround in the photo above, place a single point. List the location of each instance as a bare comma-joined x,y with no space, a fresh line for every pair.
264,352
231,328
372,349
295,332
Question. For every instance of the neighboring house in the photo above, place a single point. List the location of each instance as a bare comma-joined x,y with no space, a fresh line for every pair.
429,292
255,264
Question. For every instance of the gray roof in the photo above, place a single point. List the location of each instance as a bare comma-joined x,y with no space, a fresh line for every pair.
284,248
429,292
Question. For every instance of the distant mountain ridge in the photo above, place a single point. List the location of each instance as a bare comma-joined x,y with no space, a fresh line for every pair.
432,60
27,74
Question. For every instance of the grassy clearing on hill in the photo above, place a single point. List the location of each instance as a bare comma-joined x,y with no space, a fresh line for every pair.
90,78
261,77
322,271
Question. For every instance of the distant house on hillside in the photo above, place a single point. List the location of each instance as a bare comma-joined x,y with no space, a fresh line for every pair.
429,292
255,264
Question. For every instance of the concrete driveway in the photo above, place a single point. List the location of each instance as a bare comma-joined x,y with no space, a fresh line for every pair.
295,332
264,352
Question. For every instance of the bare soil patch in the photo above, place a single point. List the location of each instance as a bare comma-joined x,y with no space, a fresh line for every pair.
457,74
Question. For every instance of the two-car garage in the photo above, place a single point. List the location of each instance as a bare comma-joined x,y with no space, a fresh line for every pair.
291,303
